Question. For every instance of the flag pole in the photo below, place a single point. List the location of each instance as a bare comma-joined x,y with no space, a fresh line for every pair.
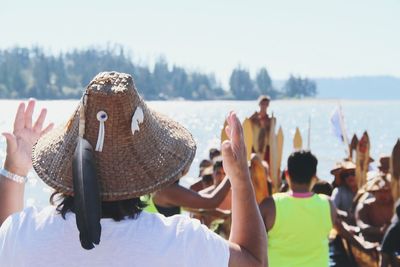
343,129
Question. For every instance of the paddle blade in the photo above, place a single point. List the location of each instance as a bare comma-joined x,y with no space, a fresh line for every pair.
353,145
87,200
248,136
297,140
224,136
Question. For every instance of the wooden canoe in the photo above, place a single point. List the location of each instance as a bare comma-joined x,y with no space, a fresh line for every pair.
395,170
364,253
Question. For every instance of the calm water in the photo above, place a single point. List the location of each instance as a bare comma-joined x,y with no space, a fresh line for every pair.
205,119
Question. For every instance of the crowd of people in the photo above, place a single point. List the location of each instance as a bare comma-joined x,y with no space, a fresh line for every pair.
312,207
115,149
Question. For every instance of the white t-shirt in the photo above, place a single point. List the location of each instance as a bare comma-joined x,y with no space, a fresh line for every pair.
32,238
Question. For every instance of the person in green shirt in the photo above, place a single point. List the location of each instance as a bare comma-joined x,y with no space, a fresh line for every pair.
298,222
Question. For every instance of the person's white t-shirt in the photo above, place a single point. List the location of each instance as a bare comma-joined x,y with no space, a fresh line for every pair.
32,238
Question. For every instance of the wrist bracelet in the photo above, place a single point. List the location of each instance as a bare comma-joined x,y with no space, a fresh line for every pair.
14,177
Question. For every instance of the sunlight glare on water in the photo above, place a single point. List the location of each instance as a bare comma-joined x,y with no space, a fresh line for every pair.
205,120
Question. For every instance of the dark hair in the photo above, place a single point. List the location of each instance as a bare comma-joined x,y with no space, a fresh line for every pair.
207,179
214,153
205,163
322,187
117,210
302,166
262,98
217,165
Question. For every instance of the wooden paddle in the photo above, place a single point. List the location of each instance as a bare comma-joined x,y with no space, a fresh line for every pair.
224,136
353,146
248,136
297,140
395,170
255,140
362,159
273,155
279,145
259,178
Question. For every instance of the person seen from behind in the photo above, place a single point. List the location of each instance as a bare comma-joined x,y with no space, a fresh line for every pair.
298,222
113,150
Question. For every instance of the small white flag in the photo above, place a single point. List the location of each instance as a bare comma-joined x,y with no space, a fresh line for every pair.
338,127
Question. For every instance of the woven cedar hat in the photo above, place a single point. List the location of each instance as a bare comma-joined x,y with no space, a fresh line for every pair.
344,166
138,150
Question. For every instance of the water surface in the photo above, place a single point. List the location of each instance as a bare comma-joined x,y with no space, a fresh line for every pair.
205,119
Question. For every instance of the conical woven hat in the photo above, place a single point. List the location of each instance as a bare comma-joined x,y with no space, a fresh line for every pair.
132,162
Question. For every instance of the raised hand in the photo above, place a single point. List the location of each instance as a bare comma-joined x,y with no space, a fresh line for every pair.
24,136
248,238
234,150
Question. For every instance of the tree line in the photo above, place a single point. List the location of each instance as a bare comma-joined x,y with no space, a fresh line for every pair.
30,72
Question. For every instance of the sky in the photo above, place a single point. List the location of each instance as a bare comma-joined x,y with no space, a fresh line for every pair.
313,38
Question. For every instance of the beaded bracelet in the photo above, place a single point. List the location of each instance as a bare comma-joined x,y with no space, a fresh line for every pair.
14,177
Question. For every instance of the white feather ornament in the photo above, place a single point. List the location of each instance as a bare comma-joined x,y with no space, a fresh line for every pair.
137,119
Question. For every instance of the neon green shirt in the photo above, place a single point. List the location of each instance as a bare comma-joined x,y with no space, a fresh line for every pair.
299,237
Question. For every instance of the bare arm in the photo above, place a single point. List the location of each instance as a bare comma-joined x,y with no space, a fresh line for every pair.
177,195
18,157
207,190
248,240
11,194
334,214
268,212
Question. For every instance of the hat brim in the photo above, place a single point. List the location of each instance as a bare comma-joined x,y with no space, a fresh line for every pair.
128,167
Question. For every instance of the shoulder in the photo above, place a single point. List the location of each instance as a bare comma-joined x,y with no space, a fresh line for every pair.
29,215
323,197
279,196
17,229
254,116
338,192
267,203
341,189
268,212
326,200
335,191
329,206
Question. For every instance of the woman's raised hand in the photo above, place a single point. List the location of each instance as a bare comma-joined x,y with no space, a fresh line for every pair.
24,136
234,150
